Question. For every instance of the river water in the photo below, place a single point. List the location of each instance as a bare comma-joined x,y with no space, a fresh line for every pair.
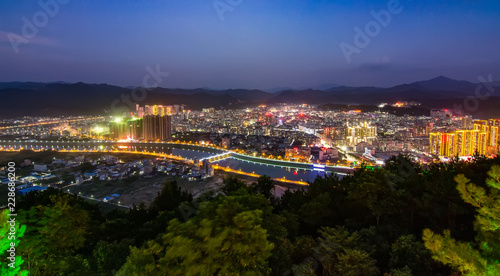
250,167
189,153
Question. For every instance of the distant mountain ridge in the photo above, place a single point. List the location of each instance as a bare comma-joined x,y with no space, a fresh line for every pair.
26,85
446,84
35,98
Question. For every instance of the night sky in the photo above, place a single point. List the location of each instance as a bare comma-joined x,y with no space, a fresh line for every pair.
254,44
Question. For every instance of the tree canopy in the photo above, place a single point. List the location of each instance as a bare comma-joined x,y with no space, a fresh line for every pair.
366,223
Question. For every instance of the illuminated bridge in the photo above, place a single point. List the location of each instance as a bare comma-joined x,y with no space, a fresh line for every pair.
159,147
218,157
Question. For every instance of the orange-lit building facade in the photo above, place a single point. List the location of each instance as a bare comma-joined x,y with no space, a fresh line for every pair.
488,130
482,139
442,143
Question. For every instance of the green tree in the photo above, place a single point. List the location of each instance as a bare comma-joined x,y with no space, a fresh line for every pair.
405,271
55,234
142,261
226,237
109,257
316,212
341,253
408,253
481,257
231,184
371,191
306,268
264,186
10,266
303,248
170,197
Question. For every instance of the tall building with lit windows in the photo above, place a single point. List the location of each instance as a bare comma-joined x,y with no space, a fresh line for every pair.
442,143
488,131
161,110
495,123
135,128
467,122
466,142
361,132
123,128
118,129
482,139
157,127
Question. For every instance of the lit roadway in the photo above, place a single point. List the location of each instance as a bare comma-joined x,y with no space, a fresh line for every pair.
50,123
157,148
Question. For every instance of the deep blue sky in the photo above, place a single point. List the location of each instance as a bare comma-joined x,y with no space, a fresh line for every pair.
260,44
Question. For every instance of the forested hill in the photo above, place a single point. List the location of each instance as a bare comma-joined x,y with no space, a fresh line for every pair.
402,219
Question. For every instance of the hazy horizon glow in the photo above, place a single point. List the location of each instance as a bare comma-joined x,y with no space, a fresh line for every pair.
258,44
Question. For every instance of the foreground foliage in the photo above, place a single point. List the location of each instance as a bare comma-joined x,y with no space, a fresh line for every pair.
368,223
482,256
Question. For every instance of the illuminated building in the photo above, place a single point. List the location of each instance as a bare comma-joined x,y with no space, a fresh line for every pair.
122,129
185,114
483,140
135,128
495,123
467,123
226,142
488,140
298,153
441,143
159,110
441,114
422,129
466,143
208,110
118,129
363,132
157,127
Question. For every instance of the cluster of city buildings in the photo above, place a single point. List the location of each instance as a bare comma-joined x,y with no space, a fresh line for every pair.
478,137
104,168
297,132
149,123
48,128
109,167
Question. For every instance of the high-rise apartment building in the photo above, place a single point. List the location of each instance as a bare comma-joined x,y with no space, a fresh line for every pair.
157,127
467,122
135,128
122,128
361,132
162,110
482,139
442,143
488,129
118,129
466,142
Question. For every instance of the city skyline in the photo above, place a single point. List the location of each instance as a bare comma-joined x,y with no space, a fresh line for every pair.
249,137
250,45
